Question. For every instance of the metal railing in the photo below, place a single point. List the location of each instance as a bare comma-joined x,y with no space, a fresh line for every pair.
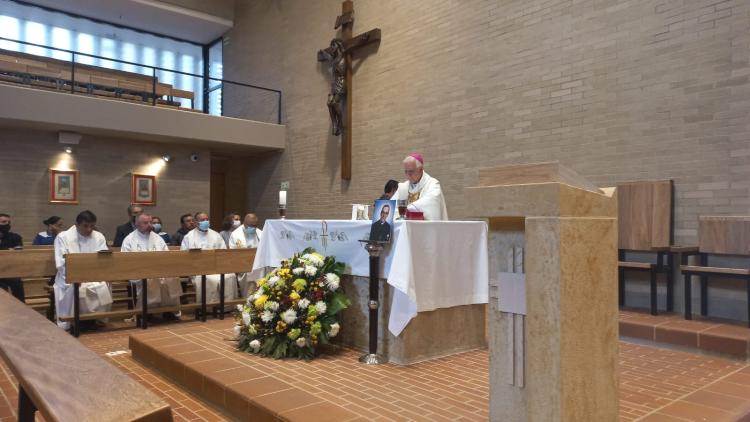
151,96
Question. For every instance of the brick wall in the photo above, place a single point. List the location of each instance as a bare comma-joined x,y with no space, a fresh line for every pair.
105,167
617,90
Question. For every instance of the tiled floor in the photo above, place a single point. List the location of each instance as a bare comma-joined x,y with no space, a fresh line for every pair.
655,384
728,338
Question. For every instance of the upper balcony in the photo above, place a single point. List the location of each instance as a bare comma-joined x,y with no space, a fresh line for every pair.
68,92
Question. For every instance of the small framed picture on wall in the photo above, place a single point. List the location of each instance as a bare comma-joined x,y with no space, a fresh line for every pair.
143,190
63,186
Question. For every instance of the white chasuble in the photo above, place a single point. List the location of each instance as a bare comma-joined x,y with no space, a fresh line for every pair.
95,296
161,291
239,240
425,196
196,239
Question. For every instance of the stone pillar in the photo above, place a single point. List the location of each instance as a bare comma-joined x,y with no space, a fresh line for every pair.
554,359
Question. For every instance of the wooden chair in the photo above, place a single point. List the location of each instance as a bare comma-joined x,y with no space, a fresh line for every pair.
645,211
718,236
62,379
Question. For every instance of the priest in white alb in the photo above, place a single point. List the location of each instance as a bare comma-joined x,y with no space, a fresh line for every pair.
161,291
247,235
202,237
95,296
421,191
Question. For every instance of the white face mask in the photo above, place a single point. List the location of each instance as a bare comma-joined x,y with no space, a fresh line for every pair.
236,223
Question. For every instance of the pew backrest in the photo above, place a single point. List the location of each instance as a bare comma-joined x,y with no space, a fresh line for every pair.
727,235
644,214
65,380
27,263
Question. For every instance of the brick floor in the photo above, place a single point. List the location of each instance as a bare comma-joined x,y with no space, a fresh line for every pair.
655,384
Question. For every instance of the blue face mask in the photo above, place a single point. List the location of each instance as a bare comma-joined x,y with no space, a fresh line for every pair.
203,225
249,231
157,227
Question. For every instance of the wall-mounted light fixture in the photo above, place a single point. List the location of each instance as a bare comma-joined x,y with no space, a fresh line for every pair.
68,149
166,158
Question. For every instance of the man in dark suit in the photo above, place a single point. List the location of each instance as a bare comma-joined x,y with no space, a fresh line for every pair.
124,230
10,240
381,230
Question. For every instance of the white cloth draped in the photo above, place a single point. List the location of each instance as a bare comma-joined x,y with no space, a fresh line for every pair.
425,196
196,239
430,264
161,291
95,296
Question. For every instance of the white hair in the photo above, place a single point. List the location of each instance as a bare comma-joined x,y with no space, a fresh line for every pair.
409,159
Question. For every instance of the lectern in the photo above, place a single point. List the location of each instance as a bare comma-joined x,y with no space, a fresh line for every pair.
553,293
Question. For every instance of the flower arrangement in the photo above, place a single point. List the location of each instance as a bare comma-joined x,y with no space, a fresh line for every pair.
293,309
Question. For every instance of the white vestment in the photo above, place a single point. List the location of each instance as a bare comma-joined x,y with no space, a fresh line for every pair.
95,296
425,196
240,240
209,240
161,291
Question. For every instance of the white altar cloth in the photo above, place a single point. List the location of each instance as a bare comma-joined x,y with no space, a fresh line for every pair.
431,264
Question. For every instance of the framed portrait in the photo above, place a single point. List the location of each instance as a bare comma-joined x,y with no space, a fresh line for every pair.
143,190
382,220
63,186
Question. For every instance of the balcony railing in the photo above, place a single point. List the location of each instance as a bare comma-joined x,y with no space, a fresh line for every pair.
94,75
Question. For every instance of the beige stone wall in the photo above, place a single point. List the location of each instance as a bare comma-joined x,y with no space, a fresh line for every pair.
615,90
105,167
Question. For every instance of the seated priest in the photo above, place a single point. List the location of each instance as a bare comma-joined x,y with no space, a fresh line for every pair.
247,235
94,296
421,191
161,291
202,237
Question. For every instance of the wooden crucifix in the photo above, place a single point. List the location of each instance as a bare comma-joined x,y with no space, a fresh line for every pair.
339,54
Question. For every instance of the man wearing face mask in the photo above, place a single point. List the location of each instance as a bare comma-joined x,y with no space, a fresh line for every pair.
127,228
247,235
10,240
231,222
162,291
202,237
94,296
159,229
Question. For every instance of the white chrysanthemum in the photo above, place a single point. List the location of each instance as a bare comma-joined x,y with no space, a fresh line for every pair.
303,304
313,259
246,318
321,307
272,305
310,270
273,280
298,270
301,341
237,329
332,281
335,327
240,308
255,344
267,316
289,316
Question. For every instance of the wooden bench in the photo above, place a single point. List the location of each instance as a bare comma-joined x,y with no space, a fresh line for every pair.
31,263
50,73
645,225
88,267
64,380
718,235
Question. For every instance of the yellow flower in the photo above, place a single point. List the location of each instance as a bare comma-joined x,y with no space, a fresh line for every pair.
262,282
294,296
259,302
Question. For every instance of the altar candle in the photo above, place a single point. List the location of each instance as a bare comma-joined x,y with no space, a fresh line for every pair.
282,197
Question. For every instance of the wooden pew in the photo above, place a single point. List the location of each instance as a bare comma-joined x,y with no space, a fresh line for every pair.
718,235
90,267
644,214
64,380
31,262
